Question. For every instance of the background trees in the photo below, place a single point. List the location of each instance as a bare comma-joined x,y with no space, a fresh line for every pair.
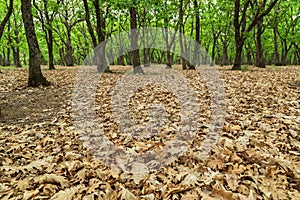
233,32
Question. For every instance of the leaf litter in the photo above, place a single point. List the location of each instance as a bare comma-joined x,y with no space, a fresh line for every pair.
257,156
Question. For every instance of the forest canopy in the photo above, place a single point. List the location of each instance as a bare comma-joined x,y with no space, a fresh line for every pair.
68,30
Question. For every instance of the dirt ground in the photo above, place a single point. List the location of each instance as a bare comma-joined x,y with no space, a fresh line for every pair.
257,156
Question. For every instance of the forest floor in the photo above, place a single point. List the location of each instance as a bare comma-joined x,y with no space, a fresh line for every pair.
256,157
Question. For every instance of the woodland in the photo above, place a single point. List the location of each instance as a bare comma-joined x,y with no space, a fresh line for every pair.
252,45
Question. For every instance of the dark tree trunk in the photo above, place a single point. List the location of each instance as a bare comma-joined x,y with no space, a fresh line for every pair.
102,65
46,22
168,43
249,54
240,26
16,55
181,32
225,53
259,49
69,51
36,77
212,63
134,40
196,59
6,18
276,51
88,23
50,49
15,46
237,65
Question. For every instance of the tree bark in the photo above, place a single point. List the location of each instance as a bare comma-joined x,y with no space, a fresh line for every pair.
69,51
50,49
181,33
259,49
196,59
134,39
88,23
102,65
36,77
224,53
6,18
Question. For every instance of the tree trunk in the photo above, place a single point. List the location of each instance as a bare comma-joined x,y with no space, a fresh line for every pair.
212,63
69,51
134,40
259,51
181,33
50,49
88,23
240,25
249,54
276,51
237,65
224,53
36,77
197,39
168,45
16,55
102,65
6,18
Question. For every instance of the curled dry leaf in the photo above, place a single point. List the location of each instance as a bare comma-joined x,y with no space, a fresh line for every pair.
54,179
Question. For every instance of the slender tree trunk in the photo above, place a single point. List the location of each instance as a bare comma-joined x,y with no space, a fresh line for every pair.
259,49
212,63
88,23
36,77
196,59
6,18
134,40
50,49
168,45
181,32
249,54
276,51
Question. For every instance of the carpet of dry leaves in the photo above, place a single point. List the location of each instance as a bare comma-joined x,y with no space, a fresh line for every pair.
257,156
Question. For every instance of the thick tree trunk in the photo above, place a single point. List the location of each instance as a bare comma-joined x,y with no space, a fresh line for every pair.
259,49
134,40
36,77
237,65
69,51
102,65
